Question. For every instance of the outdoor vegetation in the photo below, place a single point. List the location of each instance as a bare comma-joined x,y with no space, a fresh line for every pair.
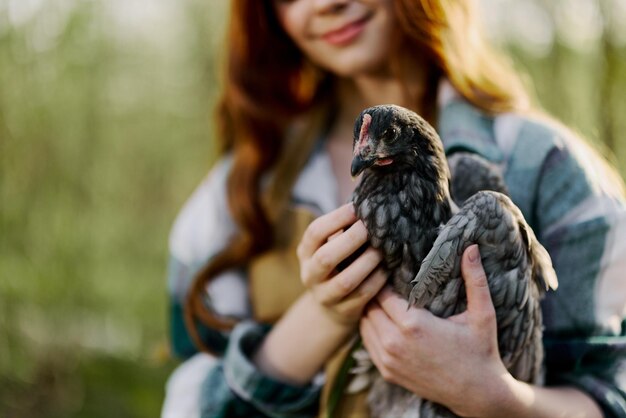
105,130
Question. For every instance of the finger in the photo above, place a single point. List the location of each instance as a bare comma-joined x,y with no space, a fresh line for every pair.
353,304
479,305
352,277
383,336
371,340
335,235
379,319
326,258
392,304
375,282
408,319
321,228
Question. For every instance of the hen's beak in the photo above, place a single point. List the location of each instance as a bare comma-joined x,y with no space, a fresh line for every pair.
359,164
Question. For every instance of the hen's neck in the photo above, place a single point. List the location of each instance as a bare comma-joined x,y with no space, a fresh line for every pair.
426,200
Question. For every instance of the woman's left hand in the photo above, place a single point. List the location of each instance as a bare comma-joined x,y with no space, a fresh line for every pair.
453,361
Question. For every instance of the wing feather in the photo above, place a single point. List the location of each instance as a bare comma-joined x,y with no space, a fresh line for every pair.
518,270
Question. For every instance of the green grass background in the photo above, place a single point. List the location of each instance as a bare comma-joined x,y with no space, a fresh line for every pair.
105,129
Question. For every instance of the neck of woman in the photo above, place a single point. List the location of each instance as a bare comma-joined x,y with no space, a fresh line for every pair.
359,92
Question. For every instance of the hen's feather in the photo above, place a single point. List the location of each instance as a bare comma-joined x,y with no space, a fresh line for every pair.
404,201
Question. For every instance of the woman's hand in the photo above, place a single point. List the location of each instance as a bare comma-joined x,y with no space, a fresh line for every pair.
326,243
452,361
334,303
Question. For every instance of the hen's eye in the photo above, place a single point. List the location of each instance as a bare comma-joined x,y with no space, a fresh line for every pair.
389,134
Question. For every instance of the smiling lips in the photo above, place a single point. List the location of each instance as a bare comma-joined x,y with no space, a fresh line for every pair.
346,34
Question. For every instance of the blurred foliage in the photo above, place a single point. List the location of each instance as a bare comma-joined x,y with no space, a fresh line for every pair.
105,130
573,53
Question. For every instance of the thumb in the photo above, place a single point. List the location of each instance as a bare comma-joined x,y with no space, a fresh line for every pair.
479,305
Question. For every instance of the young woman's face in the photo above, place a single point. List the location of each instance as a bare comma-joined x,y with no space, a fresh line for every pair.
346,37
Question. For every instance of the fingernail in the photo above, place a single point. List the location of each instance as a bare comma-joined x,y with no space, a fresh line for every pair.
473,255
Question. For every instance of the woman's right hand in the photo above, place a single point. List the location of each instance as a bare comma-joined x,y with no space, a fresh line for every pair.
327,241
333,304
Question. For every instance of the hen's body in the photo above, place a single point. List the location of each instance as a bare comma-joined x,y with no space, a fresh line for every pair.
392,209
404,201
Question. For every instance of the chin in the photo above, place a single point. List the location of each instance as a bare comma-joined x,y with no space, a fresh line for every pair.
355,63
369,55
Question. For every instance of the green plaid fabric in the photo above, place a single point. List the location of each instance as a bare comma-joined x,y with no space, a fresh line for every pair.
577,216
563,196
235,388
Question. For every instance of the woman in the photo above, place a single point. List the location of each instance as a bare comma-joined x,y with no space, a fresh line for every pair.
304,69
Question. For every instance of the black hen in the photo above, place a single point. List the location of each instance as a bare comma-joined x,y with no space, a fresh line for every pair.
404,200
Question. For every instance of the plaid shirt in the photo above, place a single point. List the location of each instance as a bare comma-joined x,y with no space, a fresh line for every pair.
563,195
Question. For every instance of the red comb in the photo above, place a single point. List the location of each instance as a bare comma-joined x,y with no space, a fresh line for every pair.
365,127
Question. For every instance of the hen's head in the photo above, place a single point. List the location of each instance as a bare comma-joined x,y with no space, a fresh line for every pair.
392,138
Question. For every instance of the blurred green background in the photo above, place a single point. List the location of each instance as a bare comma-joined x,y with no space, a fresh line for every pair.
105,130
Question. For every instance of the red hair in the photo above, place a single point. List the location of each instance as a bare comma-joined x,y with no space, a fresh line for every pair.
268,82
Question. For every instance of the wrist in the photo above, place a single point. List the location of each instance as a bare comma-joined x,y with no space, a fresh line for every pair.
499,395
301,342
508,397
517,399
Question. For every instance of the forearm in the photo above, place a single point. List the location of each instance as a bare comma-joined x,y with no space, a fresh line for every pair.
301,342
517,399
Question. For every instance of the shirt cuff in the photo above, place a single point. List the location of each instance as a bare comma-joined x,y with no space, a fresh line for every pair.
610,400
270,396
595,365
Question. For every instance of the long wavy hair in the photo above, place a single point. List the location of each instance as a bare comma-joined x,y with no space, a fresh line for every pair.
268,83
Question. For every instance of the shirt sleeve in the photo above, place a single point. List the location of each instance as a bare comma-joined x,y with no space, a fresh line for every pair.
201,230
233,386
236,388
581,220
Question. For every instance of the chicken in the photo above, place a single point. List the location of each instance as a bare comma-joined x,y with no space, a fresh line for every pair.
404,200
470,174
